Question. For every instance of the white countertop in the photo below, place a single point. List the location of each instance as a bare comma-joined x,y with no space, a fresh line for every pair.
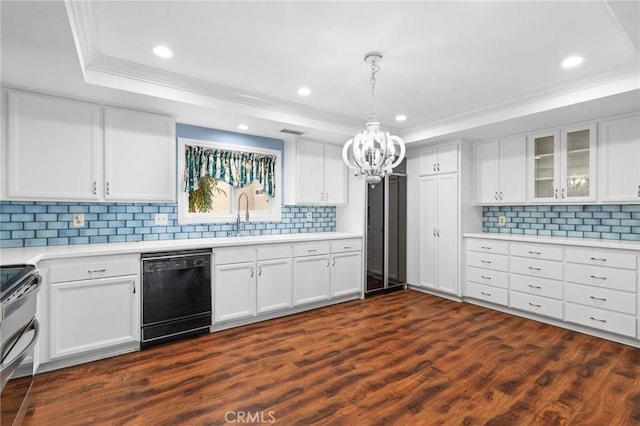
35,254
573,241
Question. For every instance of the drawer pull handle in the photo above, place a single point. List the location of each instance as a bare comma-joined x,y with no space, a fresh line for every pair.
599,259
534,252
535,305
485,247
486,294
485,278
534,268
96,271
537,287
311,250
485,261
346,247
601,299
595,277
597,319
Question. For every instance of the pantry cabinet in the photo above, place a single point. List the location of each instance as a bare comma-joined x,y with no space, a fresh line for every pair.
317,173
441,159
562,165
501,171
65,150
619,158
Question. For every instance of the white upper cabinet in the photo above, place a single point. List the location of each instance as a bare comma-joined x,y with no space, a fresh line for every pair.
619,160
63,150
53,148
315,173
442,159
563,165
500,171
139,156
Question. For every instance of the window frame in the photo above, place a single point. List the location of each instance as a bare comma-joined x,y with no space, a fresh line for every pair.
275,205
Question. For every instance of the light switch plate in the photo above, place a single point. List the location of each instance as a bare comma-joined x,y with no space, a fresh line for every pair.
502,220
78,220
161,219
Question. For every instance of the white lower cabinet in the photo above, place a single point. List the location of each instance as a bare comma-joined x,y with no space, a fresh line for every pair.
234,290
346,267
592,287
89,315
311,279
274,285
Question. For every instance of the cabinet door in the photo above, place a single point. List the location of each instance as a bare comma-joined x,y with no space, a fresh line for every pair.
53,148
447,159
309,169
310,279
140,156
275,286
513,170
93,314
447,233
234,288
428,211
578,164
487,174
544,161
429,162
346,273
619,158
335,175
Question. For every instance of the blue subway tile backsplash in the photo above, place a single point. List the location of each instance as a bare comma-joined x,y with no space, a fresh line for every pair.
31,224
609,221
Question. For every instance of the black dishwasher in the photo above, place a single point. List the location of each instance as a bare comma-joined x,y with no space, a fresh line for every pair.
176,295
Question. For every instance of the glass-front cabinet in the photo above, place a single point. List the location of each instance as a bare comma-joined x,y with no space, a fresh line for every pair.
563,165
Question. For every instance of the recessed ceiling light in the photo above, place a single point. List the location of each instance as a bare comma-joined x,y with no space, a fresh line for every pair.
243,127
304,91
162,51
572,61
401,117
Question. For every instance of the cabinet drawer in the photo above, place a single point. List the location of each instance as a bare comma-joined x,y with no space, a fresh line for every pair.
536,286
342,246
274,252
496,262
489,294
234,255
601,298
488,246
488,277
536,267
617,279
310,249
536,304
601,258
600,319
84,268
537,251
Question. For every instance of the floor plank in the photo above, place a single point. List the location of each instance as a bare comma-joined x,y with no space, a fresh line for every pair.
397,358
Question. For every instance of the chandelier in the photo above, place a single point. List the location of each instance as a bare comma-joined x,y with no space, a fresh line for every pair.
373,153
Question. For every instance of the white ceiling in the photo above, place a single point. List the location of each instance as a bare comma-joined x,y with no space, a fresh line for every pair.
456,69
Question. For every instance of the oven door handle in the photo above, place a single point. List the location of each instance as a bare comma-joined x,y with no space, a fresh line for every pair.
9,366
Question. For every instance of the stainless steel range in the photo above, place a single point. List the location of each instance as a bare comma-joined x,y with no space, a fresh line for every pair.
19,286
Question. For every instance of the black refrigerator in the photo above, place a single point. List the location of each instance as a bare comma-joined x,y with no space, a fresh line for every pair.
387,233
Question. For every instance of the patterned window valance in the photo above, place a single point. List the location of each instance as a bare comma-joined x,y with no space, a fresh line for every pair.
236,168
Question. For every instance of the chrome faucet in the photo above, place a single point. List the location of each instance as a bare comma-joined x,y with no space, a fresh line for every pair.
247,212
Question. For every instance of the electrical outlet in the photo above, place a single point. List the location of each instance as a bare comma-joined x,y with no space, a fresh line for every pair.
161,219
502,220
309,217
78,220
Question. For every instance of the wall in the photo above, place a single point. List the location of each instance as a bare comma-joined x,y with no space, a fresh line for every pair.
31,223
604,221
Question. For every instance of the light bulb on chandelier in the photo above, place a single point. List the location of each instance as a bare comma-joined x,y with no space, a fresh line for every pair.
373,153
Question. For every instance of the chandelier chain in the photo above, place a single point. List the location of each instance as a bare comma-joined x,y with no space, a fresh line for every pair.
374,69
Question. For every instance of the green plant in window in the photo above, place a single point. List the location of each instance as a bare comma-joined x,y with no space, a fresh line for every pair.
201,200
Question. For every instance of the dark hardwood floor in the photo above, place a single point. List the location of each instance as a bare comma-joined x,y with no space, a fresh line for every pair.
401,358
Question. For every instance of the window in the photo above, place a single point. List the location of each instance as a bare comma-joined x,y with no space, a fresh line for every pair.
215,176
